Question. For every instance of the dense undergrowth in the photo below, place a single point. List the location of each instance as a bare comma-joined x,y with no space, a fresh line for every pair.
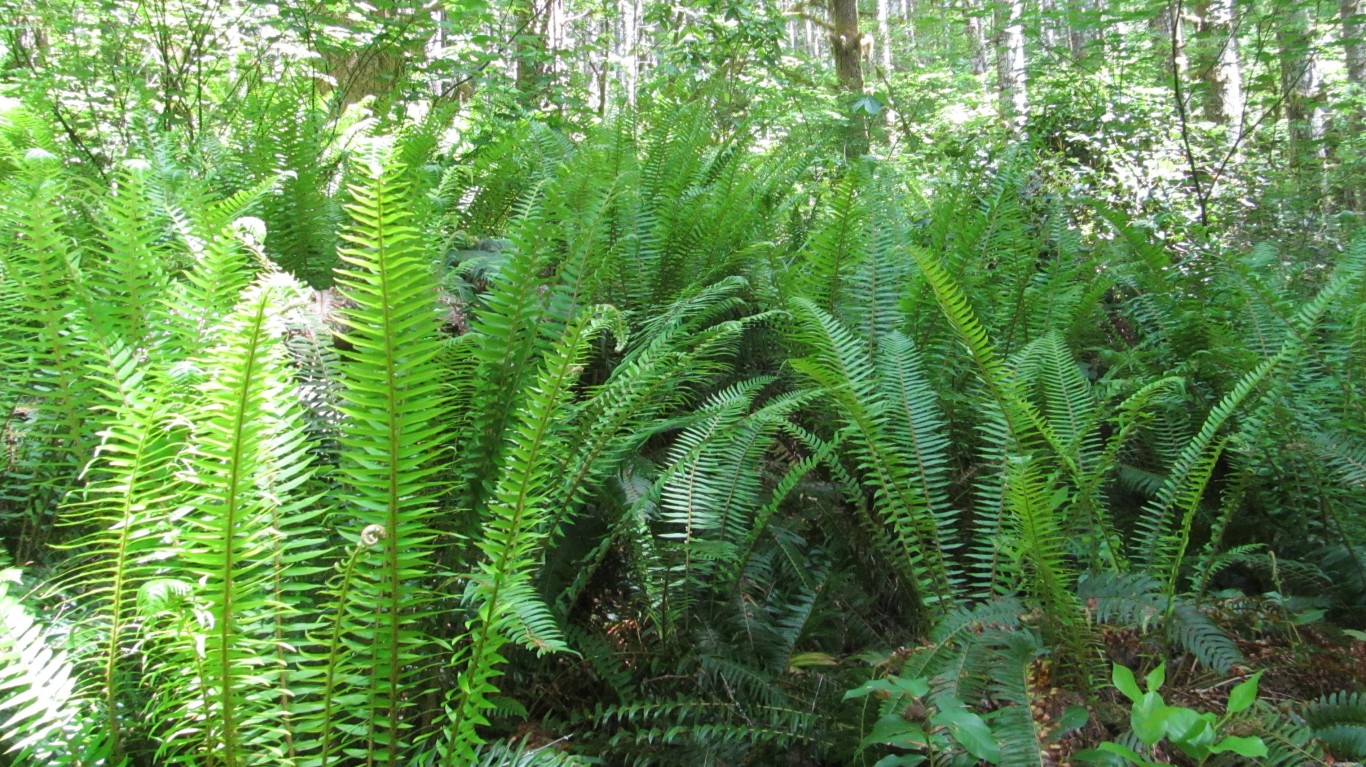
646,445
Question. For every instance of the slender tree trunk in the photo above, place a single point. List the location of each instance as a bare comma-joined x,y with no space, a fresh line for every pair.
1299,88
606,42
1352,31
1049,34
531,53
1010,64
1078,29
845,42
976,27
1169,39
628,51
906,12
1217,50
884,37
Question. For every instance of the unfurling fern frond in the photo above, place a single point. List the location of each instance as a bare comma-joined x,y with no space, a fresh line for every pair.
377,654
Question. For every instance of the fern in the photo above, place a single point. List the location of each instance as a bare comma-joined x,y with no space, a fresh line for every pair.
130,276
393,404
1139,600
131,480
1289,741
508,609
245,459
1163,545
888,451
1034,504
1339,721
51,312
1023,739
835,247
43,717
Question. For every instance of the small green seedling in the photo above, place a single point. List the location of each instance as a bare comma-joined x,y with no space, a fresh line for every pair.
934,731
1195,734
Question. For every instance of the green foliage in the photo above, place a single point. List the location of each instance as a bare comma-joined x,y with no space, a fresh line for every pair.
1338,720
47,720
614,438
375,654
1197,735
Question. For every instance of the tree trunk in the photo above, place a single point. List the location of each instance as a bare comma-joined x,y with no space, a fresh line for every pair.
1010,64
530,52
845,42
628,50
1217,49
1078,29
1353,45
884,37
1049,34
1299,88
1354,55
1169,39
977,37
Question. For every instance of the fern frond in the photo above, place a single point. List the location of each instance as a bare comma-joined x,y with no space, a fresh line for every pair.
393,405
1195,632
131,485
507,608
245,461
1022,738
1156,539
836,247
132,272
1290,742
893,454
52,316
43,717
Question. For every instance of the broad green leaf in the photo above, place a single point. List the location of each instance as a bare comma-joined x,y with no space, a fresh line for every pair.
1156,677
1190,731
1124,751
1103,756
1149,718
1124,681
1241,697
915,687
868,105
900,760
894,730
971,731
1241,745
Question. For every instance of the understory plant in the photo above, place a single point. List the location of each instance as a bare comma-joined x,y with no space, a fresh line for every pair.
623,446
